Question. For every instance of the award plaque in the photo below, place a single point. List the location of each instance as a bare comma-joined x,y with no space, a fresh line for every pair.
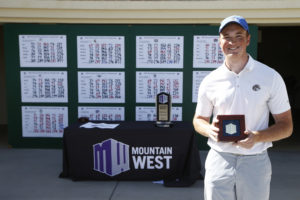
232,128
163,109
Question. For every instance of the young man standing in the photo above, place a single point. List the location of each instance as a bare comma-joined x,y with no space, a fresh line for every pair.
241,86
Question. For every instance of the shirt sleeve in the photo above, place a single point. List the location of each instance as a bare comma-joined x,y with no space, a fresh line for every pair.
279,100
204,106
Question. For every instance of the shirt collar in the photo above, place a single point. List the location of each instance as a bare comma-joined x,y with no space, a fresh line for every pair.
250,64
248,67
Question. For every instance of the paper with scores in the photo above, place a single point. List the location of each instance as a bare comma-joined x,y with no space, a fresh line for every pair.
99,125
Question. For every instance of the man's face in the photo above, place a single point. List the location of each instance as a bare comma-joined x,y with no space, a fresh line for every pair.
234,41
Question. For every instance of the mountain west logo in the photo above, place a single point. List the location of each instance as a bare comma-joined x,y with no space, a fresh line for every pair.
111,157
163,99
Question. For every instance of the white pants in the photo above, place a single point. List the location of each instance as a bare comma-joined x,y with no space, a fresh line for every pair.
237,177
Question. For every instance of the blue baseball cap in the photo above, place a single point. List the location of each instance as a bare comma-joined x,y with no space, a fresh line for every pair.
234,19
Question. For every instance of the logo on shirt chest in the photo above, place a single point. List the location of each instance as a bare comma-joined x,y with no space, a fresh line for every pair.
256,87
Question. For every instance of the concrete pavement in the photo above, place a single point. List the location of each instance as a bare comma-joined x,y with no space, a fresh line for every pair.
33,174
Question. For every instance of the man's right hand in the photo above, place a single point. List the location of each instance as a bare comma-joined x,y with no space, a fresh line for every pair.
202,125
214,131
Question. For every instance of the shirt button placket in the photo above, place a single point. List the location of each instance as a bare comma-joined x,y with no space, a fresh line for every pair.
237,81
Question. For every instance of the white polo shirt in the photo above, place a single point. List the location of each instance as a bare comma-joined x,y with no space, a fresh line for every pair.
255,92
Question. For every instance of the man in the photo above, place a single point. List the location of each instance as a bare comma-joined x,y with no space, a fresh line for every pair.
241,86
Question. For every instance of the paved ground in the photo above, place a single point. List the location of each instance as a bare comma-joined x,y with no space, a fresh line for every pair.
33,174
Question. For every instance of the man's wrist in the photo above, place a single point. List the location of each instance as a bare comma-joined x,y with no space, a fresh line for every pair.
256,136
